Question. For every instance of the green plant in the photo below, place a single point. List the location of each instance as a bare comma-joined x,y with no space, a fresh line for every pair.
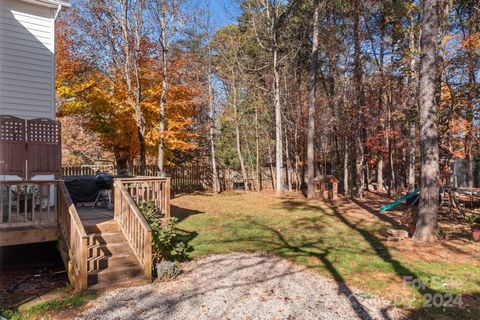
36,310
73,301
473,220
168,242
10,314
441,233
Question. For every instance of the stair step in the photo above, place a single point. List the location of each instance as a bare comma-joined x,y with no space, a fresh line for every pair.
106,237
132,282
106,226
115,275
110,261
112,249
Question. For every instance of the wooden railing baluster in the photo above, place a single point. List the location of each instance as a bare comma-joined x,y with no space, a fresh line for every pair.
129,193
75,239
133,224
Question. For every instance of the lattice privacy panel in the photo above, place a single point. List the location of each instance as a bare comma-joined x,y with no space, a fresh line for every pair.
44,147
12,146
43,131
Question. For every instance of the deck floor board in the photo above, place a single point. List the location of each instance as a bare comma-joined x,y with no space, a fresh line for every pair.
92,216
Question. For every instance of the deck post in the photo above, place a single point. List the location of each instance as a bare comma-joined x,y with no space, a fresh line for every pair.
167,198
148,255
83,277
117,205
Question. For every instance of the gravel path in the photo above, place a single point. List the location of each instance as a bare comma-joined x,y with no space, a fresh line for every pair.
240,286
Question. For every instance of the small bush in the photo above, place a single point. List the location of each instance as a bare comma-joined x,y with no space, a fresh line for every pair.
38,310
473,220
168,242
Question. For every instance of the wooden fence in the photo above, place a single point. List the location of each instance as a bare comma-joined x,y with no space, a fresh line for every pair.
185,178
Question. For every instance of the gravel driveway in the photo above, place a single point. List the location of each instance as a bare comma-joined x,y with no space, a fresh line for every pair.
240,286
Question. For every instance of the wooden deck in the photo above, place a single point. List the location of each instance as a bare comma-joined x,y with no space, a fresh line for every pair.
23,229
101,248
92,216
28,234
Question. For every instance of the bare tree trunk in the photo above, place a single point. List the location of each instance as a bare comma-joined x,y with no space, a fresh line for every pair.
287,161
428,206
346,158
312,105
380,164
272,172
257,153
380,174
359,153
163,96
412,151
249,156
237,136
134,89
211,105
278,121
391,164
469,134
412,105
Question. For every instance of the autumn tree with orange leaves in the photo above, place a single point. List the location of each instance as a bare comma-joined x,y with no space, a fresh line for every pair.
93,89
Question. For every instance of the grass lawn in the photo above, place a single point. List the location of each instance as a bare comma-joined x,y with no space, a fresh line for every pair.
341,240
60,307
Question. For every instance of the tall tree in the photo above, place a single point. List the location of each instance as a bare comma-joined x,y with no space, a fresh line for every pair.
428,206
412,101
163,96
312,102
358,105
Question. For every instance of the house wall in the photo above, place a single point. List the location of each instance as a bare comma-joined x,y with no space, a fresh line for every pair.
27,60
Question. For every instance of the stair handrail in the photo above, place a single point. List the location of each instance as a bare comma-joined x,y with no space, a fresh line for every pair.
147,189
135,228
75,237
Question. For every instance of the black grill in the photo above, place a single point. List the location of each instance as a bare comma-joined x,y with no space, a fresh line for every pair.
104,181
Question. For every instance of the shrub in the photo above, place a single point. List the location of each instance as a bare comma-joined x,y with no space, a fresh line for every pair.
168,242
473,220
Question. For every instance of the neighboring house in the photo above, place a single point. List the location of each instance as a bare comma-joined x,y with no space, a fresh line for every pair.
100,247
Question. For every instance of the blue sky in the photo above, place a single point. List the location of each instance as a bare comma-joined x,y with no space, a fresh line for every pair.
223,12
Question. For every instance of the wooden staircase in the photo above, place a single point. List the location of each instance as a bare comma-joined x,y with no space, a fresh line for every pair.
111,261
117,251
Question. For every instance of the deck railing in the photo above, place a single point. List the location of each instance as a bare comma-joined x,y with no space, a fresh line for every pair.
75,239
134,226
146,189
28,203
87,170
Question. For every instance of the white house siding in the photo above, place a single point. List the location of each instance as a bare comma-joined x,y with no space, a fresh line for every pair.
27,61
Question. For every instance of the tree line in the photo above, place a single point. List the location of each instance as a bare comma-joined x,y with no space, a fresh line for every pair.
373,92
369,91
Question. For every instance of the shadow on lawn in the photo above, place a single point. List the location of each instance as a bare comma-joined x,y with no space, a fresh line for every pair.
182,213
376,212
154,306
305,246
315,248
382,251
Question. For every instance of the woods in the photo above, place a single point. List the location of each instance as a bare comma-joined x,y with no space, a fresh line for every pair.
381,94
